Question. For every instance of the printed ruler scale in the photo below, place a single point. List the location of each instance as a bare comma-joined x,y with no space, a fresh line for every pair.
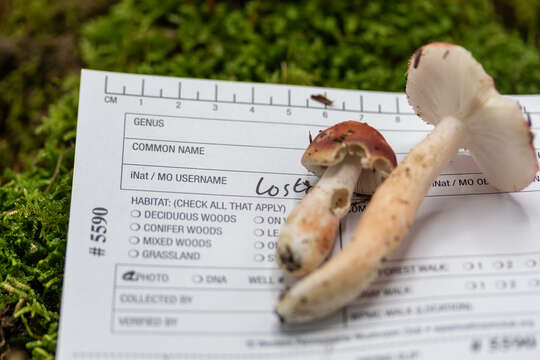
181,187
309,103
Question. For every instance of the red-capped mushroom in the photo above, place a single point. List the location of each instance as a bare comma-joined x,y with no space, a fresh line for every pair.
348,157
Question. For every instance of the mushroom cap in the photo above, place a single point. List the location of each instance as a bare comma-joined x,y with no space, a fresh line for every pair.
352,138
445,80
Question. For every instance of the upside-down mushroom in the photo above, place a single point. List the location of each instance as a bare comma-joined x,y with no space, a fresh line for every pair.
447,87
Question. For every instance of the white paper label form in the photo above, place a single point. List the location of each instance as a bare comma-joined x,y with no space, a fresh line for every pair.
179,192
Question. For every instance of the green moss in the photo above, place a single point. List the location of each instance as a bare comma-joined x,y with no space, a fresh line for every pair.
354,44
34,210
38,48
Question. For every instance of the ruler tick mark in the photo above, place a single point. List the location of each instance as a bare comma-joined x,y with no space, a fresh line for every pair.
289,97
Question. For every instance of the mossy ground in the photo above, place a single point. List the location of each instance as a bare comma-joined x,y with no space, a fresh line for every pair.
43,44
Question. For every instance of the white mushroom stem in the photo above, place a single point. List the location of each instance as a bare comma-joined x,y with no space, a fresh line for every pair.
308,235
382,228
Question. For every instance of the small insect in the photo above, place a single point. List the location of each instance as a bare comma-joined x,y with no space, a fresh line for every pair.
322,99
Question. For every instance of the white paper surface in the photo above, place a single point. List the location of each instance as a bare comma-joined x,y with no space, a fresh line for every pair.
186,183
